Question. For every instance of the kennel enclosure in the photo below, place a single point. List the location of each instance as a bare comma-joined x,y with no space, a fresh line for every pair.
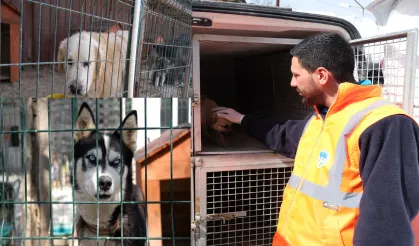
241,60
31,32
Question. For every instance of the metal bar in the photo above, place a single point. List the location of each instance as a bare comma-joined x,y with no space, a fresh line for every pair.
196,80
97,54
90,41
134,46
48,63
121,171
51,224
233,152
378,38
94,238
25,165
119,66
3,194
73,103
97,161
55,45
246,39
125,80
39,47
67,49
75,11
171,171
410,71
101,129
119,203
145,169
78,51
20,49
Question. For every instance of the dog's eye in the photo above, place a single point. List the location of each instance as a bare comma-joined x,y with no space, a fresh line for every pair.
91,158
117,161
85,64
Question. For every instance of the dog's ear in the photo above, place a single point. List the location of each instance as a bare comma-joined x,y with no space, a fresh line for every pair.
115,27
129,136
62,49
85,120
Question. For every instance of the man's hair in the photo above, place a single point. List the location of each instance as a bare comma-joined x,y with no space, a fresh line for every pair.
328,50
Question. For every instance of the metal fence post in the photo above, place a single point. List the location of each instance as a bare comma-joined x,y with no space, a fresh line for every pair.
134,46
410,71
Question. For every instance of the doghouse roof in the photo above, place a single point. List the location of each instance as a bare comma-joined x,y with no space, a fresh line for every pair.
161,144
15,10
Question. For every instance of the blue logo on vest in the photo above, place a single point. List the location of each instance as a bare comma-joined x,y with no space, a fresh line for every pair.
323,158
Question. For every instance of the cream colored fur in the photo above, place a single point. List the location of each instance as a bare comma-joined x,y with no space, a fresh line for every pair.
100,78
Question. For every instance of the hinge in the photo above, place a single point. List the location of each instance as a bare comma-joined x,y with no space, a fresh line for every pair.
195,98
195,226
199,162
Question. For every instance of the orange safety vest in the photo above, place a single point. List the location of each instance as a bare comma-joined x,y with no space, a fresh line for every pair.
321,200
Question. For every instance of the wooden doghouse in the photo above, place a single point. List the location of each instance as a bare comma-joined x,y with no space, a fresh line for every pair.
10,19
159,183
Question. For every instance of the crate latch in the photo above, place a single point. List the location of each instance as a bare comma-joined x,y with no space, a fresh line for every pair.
226,216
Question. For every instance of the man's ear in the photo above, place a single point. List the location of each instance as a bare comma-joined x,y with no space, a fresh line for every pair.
85,120
323,75
129,136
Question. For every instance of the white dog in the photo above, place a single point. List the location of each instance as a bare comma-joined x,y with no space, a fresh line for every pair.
95,63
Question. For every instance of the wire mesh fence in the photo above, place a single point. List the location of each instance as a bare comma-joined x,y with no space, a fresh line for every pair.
82,172
390,61
166,49
83,48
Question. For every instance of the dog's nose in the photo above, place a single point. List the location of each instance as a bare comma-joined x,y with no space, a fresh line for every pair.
105,183
74,90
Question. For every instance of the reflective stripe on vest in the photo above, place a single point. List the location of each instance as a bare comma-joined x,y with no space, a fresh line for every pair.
331,193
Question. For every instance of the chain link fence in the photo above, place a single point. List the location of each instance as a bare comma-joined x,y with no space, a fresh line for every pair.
95,48
52,192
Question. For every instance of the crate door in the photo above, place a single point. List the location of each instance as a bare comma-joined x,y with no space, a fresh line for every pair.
390,61
237,198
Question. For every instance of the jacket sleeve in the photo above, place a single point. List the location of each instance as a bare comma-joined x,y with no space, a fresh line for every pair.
280,136
389,168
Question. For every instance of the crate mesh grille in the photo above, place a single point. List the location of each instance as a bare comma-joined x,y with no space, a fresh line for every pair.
383,63
256,191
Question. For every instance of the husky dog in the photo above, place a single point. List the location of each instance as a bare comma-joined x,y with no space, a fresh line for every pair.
169,59
103,173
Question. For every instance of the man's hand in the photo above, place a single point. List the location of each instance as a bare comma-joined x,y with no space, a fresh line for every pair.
228,114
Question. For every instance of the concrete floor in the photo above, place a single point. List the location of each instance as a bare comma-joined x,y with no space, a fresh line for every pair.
34,84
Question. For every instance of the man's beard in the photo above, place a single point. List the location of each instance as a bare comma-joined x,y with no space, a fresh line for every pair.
313,99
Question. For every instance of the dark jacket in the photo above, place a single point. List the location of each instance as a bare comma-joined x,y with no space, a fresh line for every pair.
389,168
